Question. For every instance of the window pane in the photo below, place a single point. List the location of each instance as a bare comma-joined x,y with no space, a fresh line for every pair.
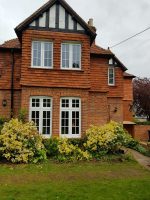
65,55
46,122
35,102
35,118
75,103
47,54
75,122
111,76
76,55
46,103
65,103
64,122
36,53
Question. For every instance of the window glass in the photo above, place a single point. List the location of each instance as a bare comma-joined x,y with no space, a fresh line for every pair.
70,117
40,114
42,54
71,56
76,56
111,76
65,55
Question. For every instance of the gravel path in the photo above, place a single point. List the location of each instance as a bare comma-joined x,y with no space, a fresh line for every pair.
141,159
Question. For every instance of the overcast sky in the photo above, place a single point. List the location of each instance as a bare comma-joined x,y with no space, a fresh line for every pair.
115,21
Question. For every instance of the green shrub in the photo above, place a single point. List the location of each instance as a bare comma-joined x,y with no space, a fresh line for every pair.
21,143
105,139
70,152
78,142
51,146
22,114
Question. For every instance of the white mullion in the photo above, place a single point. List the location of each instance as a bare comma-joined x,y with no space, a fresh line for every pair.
70,56
70,122
70,118
42,54
41,117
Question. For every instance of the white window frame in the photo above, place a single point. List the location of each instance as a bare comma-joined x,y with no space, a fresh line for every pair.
41,109
111,68
42,55
71,55
70,110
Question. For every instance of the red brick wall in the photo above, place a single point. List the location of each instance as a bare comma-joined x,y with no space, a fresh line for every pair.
117,89
128,100
55,77
128,89
99,74
98,108
5,111
115,109
5,69
6,95
141,132
94,105
127,110
56,94
5,82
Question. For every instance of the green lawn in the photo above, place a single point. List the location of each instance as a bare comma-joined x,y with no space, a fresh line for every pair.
79,181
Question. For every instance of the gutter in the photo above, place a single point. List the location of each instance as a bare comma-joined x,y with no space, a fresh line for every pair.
12,83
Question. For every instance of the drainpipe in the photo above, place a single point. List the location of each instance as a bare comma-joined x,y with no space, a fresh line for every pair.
12,82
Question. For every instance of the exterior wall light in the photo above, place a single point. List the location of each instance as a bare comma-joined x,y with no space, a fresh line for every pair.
115,109
4,103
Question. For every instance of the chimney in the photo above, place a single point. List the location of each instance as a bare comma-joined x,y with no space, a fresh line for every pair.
91,24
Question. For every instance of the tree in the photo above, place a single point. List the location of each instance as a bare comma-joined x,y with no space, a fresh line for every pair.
141,96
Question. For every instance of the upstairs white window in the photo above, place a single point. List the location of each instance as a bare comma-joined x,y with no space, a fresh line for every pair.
111,76
42,54
41,114
70,117
71,56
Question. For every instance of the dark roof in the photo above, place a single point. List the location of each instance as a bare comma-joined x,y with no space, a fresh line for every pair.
14,43
22,26
127,75
120,63
97,50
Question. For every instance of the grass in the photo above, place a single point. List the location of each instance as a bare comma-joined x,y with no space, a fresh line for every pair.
75,181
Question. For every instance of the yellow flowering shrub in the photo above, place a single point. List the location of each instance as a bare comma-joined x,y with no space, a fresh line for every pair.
104,139
70,152
21,143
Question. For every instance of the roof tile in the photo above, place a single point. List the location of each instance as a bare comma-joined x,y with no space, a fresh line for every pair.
95,49
14,43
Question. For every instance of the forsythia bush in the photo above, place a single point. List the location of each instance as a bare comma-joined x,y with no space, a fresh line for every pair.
21,143
104,139
70,152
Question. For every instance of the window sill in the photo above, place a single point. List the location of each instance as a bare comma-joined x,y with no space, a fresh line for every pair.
40,67
112,85
70,136
60,70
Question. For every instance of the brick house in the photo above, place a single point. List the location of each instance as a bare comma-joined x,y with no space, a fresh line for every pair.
60,76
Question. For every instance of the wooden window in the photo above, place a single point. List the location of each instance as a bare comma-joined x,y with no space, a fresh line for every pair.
42,54
70,117
111,76
41,114
71,56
